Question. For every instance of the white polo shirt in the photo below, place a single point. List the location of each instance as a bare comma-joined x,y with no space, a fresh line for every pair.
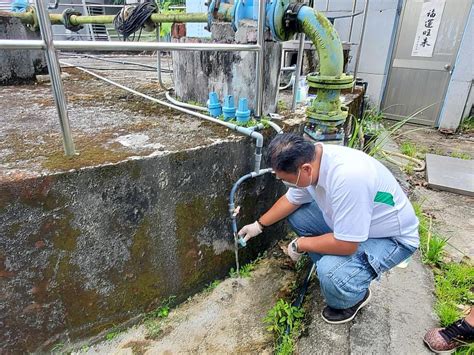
359,198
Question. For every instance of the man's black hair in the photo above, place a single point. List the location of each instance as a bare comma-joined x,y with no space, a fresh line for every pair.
288,151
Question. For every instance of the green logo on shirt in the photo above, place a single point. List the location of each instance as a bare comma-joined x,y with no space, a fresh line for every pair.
384,197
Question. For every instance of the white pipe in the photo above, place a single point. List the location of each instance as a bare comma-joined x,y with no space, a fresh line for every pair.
246,131
129,46
276,127
183,104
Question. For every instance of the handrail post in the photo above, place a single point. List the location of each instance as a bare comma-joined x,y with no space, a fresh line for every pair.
260,57
55,74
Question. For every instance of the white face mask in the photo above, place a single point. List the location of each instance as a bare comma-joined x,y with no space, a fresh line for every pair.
295,185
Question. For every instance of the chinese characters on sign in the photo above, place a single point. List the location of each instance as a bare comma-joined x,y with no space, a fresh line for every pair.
427,30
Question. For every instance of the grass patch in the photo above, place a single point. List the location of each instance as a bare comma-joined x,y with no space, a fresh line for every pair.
245,270
467,125
409,149
460,155
281,106
113,333
431,244
153,328
152,320
162,311
453,281
453,289
212,285
284,321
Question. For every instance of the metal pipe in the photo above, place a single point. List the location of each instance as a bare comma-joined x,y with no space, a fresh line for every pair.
55,74
57,19
158,59
359,48
299,62
22,44
183,104
243,130
260,58
89,26
354,6
124,62
127,46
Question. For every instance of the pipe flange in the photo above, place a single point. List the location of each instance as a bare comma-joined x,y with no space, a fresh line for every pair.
290,18
332,118
35,25
275,12
330,82
66,20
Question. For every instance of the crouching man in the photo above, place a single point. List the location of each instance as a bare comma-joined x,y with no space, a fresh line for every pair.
350,214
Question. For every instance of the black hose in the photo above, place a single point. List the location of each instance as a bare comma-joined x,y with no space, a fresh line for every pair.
127,22
299,300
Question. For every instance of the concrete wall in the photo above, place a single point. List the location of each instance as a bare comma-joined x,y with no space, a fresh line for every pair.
85,250
19,66
457,104
227,73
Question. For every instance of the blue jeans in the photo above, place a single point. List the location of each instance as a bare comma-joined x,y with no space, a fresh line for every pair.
344,280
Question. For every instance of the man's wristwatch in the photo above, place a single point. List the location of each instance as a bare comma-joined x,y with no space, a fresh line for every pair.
294,245
261,225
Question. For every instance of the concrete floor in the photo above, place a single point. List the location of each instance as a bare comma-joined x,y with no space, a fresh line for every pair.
453,214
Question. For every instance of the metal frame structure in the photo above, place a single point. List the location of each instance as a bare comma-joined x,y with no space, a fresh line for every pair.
49,46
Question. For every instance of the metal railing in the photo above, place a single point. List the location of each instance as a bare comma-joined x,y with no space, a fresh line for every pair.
49,46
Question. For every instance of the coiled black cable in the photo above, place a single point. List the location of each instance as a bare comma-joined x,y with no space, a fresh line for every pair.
131,19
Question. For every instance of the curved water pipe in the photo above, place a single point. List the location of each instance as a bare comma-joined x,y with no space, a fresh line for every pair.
183,104
234,212
325,112
251,131
326,115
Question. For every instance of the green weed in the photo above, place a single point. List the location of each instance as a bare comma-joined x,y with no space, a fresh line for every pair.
465,350
162,311
282,317
113,334
281,106
409,169
153,328
467,124
301,263
409,149
453,288
245,270
211,285
431,244
453,281
460,155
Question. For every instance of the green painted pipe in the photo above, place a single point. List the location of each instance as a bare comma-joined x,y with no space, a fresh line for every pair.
330,79
322,33
56,19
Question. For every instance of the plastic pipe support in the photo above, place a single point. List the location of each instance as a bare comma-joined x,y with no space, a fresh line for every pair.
229,108
243,112
214,106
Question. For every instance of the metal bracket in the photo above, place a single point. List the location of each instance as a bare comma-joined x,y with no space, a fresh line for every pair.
66,20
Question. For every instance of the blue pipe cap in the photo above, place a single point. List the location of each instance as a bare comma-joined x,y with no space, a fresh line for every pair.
229,108
243,112
213,105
